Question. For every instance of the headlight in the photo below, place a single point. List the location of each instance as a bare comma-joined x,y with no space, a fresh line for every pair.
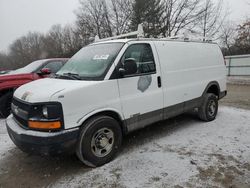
46,116
45,112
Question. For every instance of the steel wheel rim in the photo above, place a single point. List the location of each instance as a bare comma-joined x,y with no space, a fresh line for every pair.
211,108
102,142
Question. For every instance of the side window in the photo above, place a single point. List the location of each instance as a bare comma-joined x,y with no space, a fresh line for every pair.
143,56
54,66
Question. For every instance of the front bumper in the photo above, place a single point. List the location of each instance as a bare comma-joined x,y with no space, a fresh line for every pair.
42,143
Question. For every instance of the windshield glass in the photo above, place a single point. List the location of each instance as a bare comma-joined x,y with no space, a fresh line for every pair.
29,68
92,62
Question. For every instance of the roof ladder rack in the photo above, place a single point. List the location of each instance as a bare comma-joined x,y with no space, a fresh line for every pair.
139,33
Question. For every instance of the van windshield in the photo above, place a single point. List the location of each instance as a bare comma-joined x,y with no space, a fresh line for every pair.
91,62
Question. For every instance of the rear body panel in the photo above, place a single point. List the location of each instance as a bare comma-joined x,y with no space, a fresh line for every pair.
187,69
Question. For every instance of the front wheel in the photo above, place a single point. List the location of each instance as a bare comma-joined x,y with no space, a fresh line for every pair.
209,108
99,141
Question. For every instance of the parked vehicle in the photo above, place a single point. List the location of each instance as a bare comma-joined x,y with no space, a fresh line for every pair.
111,88
9,81
4,71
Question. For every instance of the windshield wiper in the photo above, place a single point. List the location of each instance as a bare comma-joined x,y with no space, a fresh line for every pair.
73,76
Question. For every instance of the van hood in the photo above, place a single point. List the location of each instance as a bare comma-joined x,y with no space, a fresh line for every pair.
43,90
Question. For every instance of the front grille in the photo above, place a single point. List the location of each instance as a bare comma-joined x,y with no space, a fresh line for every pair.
20,121
20,111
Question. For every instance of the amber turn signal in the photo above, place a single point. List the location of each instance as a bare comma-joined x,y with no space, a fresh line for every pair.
44,125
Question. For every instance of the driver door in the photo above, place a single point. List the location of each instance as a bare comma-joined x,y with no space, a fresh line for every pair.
141,93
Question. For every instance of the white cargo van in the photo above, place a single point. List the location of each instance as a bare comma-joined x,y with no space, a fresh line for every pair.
111,88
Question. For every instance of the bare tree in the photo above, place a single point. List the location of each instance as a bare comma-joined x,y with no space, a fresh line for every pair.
58,42
107,25
242,41
227,36
211,19
27,49
62,41
85,28
95,12
5,62
154,18
121,15
71,41
104,18
181,14
54,41
150,13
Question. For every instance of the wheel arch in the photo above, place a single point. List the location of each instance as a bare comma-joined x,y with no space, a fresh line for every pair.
212,87
106,112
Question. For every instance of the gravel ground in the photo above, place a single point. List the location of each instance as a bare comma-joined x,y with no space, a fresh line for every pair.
239,80
180,152
238,96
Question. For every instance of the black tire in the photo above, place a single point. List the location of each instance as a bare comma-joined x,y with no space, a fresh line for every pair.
5,105
209,108
90,131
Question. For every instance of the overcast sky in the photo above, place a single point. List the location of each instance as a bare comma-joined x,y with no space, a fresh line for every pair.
17,17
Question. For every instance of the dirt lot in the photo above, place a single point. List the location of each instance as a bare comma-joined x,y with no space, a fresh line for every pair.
238,96
180,152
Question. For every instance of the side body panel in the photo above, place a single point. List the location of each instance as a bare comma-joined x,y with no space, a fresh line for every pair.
187,69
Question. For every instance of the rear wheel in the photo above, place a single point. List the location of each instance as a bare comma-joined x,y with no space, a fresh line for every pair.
209,108
5,104
99,141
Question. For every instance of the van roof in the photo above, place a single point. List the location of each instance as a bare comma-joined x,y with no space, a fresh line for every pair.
152,39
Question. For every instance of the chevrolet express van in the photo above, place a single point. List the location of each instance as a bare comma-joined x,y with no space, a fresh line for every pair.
111,88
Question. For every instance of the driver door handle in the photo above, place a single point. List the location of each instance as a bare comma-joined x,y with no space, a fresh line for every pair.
159,81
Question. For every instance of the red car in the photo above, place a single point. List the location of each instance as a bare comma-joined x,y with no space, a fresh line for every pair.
13,79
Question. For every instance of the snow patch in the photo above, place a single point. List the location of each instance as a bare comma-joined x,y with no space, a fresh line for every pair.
5,142
194,154
180,152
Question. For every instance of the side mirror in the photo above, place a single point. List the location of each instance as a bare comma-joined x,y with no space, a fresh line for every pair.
129,67
122,72
45,71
